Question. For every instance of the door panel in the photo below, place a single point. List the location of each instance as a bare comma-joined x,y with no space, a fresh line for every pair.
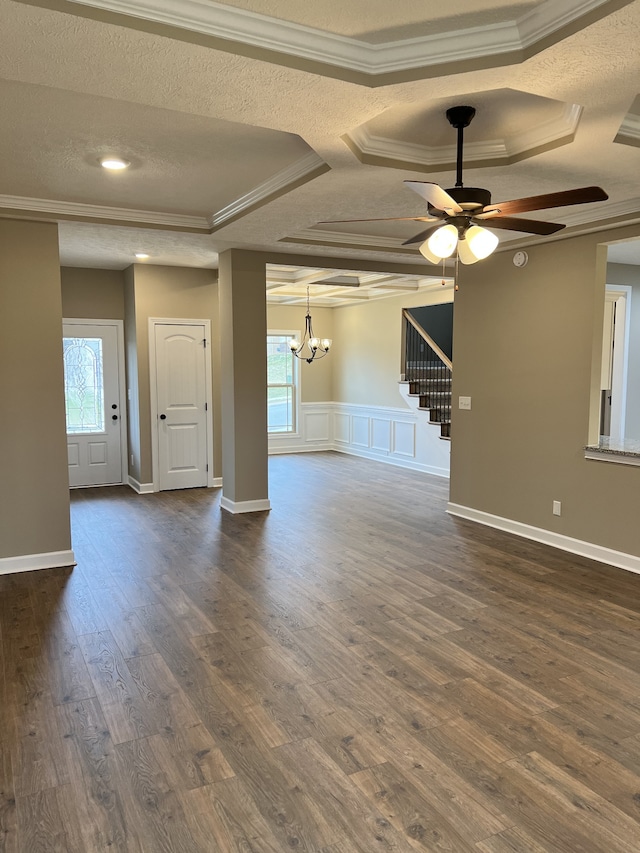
92,403
181,394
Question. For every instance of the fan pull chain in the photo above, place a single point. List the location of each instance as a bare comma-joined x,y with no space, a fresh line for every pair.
455,277
444,262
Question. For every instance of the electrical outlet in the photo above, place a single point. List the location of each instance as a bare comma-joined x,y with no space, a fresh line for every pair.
557,508
464,403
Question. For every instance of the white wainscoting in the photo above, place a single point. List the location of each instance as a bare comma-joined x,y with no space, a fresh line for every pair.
398,436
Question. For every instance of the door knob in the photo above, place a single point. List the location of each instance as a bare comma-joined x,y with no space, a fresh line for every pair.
163,417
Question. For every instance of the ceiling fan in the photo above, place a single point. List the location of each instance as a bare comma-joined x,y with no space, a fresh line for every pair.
460,212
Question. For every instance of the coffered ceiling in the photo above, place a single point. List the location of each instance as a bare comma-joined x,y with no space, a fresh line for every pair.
249,123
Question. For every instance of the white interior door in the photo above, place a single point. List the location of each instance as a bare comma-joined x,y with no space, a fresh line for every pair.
92,403
180,356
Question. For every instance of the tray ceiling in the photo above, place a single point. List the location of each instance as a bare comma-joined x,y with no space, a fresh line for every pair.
251,135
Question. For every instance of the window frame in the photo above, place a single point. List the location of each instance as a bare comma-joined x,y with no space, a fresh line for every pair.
294,385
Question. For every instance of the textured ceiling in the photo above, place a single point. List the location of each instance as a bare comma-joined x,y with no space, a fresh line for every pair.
499,113
179,162
233,142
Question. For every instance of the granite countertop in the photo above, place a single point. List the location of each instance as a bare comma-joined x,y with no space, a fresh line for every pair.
628,447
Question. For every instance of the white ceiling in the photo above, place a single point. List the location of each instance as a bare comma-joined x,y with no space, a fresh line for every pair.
239,119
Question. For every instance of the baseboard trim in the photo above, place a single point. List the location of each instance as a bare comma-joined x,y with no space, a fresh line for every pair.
237,507
35,562
301,448
392,460
619,559
216,483
140,488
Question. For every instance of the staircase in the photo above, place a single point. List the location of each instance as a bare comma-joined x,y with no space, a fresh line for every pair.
434,393
427,377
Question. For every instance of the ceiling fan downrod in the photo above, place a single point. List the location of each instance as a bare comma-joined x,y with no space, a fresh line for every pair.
460,117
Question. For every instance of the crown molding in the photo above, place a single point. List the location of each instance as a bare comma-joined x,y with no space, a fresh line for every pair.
629,133
356,240
262,32
93,211
604,211
580,222
303,170
540,23
398,154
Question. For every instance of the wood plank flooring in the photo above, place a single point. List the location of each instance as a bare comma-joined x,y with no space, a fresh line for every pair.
354,671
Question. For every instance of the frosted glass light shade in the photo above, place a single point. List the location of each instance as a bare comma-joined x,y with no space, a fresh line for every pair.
424,251
294,344
314,343
325,343
443,242
478,244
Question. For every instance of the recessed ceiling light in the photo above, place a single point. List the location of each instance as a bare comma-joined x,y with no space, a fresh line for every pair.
141,256
114,164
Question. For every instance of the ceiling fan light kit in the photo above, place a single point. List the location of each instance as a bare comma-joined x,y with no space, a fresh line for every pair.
476,244
459,213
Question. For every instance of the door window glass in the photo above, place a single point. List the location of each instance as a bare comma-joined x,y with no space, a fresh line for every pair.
83,385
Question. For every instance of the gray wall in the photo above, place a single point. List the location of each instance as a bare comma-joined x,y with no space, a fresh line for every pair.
527,349
367,351
34,511
92,294
171,293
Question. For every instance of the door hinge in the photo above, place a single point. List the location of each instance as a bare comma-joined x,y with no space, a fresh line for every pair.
206,407
207,466
204,343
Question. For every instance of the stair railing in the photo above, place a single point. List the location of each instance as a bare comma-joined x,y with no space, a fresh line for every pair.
422,357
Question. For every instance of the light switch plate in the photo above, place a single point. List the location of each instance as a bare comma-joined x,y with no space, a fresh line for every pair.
464,403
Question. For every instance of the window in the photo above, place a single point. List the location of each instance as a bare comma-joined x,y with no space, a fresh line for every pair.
282,374
83,385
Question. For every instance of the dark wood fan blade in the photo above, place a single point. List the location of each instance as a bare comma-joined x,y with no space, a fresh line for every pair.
423,235
584,195
512,223
392,219
434,195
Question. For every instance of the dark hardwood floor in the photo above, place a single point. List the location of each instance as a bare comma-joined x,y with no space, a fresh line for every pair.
353,672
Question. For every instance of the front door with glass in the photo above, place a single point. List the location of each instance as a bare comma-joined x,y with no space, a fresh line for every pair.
92,402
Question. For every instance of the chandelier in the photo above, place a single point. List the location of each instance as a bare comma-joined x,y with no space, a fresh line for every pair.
316,347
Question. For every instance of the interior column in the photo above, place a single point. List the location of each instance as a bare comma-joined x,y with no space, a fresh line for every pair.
34,512
243,355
